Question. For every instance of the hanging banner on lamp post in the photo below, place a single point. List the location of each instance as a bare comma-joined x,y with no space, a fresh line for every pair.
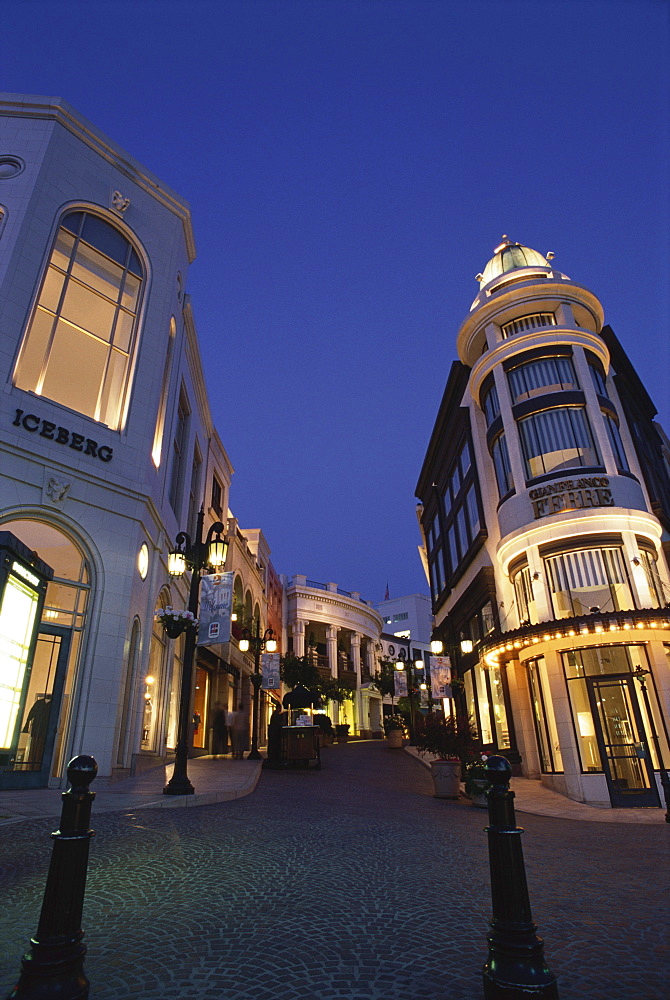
440,676
216,599
400,683
270,671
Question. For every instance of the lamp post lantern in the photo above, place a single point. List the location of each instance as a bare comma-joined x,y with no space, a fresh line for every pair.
258,643
195,555
410,666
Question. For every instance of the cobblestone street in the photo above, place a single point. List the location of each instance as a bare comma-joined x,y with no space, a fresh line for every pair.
349,883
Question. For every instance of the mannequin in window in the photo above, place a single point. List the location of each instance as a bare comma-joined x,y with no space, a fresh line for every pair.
37,723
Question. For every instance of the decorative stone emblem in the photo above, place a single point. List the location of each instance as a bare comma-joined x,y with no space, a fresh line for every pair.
119,203
57,489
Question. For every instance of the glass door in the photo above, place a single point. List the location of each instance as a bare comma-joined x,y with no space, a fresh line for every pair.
622,741
30,759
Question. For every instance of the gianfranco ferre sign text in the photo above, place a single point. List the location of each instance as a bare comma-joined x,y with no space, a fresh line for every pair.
571,494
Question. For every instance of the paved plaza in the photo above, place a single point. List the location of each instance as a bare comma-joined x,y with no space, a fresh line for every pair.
349,883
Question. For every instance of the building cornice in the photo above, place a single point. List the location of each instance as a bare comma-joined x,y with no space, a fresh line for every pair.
57,110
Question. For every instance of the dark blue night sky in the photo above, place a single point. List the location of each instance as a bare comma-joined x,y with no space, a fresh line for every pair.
350,167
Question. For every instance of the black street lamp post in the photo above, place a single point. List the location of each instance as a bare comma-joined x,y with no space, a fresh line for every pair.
639,673
195,555
258,642
410,666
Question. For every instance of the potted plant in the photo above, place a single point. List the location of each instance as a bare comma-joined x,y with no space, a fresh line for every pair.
477,782
394,728
174,622
342,732
449,742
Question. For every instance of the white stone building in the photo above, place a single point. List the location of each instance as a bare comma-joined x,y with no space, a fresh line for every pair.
545,505
343,631
107,447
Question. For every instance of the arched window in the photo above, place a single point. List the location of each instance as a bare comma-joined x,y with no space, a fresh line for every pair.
79,344
162,406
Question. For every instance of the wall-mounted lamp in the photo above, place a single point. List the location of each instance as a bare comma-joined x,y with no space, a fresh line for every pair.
466,645
436,647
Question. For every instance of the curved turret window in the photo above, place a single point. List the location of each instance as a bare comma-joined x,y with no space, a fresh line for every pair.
489,401
588,580
502,465
78,348
543,375
555,439
526,323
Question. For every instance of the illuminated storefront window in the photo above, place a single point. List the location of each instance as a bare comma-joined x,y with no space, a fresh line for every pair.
588,580
551,760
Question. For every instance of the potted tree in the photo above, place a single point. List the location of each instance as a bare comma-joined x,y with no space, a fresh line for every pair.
450,742
394,728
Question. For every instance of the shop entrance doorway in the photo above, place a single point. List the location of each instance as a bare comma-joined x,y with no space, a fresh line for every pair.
623,743
29,765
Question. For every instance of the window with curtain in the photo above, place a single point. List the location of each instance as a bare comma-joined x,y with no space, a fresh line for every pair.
544,375
585,579
79,345
556,439
525,598
656,589
598,377
490,402
614,436
502,465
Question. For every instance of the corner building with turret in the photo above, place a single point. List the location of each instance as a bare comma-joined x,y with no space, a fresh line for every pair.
545,497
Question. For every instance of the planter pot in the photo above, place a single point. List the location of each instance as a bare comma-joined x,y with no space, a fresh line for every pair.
446,778
478,793
175,628
394,738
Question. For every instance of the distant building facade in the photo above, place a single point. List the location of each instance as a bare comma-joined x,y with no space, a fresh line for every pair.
545,509
341,631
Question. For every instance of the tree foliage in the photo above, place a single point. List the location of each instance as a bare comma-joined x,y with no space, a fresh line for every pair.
303,670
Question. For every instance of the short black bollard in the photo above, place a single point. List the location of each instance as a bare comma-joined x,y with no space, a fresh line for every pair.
54,967
516,969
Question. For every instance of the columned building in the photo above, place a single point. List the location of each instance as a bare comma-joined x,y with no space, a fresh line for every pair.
341,632
543,537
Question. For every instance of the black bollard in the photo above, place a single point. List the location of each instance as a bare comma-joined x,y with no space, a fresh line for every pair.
516,969
54,967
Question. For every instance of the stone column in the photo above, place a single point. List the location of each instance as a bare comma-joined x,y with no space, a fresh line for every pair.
298,633
331,647
358,697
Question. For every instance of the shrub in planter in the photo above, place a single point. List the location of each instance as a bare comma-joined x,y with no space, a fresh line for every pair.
394,728
342,732
450,741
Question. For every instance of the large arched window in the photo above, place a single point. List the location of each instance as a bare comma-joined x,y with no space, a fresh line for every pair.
79,344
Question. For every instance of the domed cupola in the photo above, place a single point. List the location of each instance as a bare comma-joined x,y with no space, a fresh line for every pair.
509,256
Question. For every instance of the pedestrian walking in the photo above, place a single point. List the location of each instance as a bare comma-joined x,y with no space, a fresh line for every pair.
240,732
278,720
219,730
